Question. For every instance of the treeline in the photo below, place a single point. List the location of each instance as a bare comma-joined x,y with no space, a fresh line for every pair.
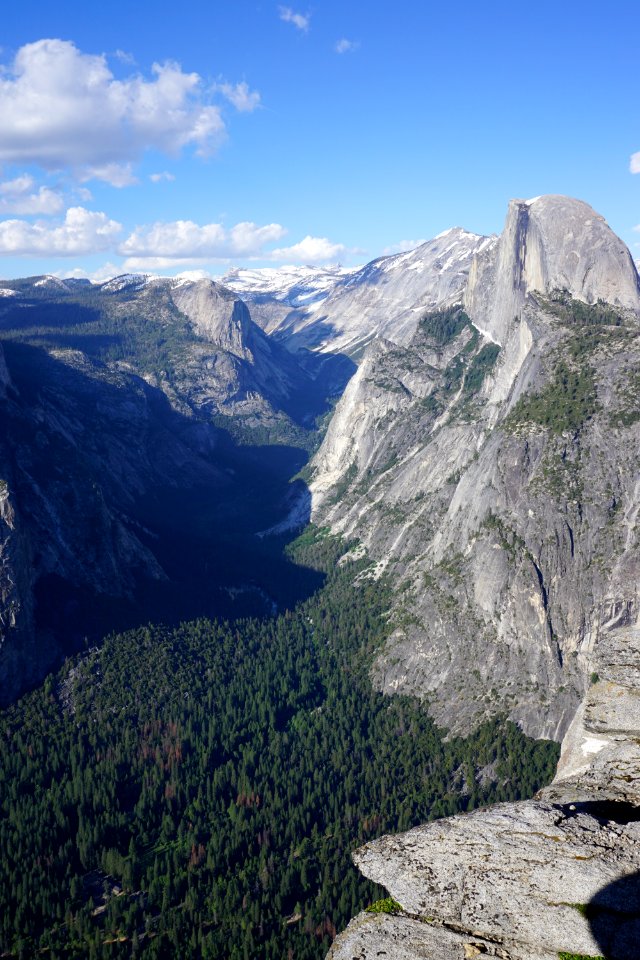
196,792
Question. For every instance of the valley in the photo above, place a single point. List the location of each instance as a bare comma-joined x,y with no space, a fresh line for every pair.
364,548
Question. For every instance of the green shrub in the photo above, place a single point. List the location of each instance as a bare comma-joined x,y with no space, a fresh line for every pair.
388,905
577,956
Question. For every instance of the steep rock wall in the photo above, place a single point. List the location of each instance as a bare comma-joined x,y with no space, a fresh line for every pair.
549,243
498,484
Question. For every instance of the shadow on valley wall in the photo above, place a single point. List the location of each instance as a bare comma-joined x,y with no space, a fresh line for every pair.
133,512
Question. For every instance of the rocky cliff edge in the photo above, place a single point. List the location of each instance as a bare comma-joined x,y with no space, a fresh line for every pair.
557,877
554,877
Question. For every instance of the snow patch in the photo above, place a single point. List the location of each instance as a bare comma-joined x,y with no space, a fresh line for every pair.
592,745
125,280
297,286
50,281
485,333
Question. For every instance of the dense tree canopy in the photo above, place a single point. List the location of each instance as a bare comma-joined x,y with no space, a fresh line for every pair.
196,792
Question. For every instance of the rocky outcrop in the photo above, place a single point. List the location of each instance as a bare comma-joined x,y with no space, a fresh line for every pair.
549,243
527,881
554,876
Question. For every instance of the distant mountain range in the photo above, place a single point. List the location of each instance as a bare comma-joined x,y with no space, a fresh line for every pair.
327,312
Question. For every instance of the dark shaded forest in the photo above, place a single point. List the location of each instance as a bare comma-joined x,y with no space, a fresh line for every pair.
196,791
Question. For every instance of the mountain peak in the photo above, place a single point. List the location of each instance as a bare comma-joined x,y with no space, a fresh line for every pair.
549,243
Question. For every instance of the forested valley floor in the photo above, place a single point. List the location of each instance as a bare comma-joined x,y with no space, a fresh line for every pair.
195,792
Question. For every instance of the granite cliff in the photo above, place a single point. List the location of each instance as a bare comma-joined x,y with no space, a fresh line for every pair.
498,481
491,463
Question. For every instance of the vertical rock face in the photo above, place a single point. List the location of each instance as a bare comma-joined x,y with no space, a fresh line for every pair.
549,243
216,314
22,659
498,481
518,505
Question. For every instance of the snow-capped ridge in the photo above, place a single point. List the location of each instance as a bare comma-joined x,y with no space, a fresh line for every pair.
131,281
292,284
48,280
386,297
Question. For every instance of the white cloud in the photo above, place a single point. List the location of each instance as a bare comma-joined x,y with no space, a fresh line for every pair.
60,107
239,96
299,20
19,196
402,247
634,163
346,46
79,273
117,174
156,246
159,177
125,57
310,250
194,275
156,264
82,232
17,186
167,244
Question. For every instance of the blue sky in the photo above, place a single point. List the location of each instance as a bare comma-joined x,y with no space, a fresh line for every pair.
165,137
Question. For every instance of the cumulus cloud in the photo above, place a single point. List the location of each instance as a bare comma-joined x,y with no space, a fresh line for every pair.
20,196
157,246
634,163
159,177
195,275
299,20
239,96
82,232
60,107
167,244
310,250
346,46
402,247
